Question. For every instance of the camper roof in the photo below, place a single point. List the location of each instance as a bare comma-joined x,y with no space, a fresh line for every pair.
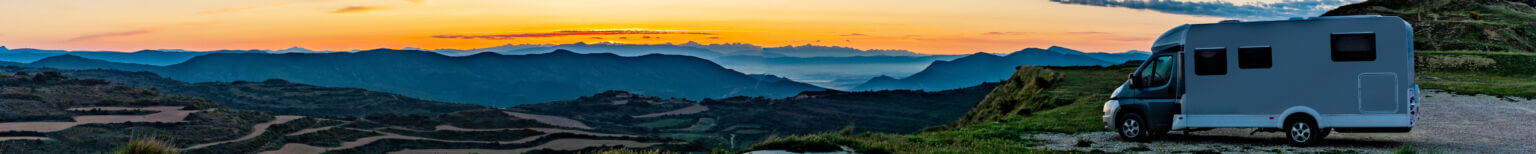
1174,37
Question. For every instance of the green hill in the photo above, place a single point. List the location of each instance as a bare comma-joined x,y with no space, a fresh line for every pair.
1054,99
1478,72
1483,25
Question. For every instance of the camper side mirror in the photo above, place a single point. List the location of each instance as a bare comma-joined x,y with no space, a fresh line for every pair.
1134,80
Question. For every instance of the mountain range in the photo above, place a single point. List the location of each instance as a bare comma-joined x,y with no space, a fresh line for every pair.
984,67
484,78
832,72
830,51
619,49
825,66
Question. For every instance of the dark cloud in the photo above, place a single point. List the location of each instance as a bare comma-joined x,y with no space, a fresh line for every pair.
572,33
1255,11
853,34
356,9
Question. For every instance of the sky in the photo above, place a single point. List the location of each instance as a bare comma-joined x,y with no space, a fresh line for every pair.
931,27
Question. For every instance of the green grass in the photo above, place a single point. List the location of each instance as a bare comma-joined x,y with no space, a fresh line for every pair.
1069,105
1478,72
665,123
1478,83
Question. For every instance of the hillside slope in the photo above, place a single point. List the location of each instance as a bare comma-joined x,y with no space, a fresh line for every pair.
277,96
1035,100
749,119
1484,25
51,113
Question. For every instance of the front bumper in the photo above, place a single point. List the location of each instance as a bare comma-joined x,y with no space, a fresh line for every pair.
1110,108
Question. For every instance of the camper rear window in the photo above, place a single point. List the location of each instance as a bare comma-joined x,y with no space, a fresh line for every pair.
1254,57
1211,61
1354,47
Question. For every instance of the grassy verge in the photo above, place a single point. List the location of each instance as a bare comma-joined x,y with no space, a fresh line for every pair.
1068,104
1478,72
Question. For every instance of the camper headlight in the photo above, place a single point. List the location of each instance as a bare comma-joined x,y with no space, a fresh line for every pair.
1110,106
1109,113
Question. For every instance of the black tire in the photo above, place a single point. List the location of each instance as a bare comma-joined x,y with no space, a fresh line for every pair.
1303,131
1325,133
1132,127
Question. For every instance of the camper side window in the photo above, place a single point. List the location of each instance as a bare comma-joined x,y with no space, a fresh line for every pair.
1354,47
1211,61
1254,57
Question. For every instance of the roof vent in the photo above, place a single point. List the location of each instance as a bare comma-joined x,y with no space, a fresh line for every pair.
1230,21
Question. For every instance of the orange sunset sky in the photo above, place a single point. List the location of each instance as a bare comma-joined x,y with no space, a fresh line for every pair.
933,27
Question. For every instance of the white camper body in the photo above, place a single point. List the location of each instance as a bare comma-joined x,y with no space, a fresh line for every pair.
1346,73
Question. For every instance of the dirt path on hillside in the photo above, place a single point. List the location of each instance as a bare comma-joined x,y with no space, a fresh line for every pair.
695,108
557,144
305,148
167,114
1450,123
551,120
256,130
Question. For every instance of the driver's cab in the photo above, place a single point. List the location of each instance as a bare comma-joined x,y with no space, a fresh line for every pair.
1153,90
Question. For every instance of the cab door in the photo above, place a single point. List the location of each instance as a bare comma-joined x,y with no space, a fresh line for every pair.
1157,86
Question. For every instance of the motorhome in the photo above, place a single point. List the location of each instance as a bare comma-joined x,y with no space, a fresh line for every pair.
1306,77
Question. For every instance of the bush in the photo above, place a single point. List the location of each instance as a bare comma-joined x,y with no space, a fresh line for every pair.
147,146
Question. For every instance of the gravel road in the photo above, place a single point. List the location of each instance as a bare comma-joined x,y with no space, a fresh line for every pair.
1449,123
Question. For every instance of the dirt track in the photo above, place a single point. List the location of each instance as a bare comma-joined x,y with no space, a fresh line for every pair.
1450,123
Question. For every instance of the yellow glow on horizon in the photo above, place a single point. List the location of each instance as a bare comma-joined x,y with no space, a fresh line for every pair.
953,27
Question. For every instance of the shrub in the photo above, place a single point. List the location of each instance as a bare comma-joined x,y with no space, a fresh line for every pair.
147,146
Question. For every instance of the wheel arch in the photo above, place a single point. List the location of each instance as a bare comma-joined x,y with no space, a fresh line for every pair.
1137,108
1297,111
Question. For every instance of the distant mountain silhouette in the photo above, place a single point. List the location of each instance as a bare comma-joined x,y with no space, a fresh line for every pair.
832,72
485,78
70,61
728,48
26,55
1108,57
980,67
147,57
620,49
830,51
1132,55
505,47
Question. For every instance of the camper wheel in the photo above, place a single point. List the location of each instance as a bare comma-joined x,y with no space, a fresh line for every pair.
1302,130
1132,127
